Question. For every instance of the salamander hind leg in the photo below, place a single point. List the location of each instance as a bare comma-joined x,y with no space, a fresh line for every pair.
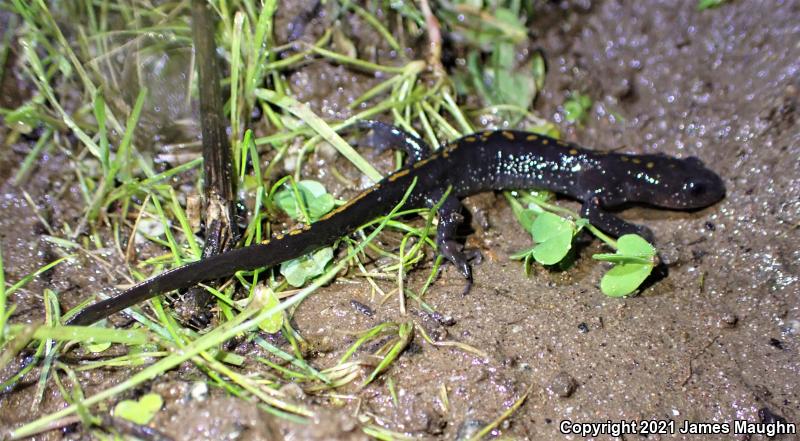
384,136
611,224
450,218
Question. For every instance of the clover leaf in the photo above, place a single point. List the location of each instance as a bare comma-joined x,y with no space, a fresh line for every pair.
316,200
576,108
634,261
97,347
267,299
553,235
141,411
298,271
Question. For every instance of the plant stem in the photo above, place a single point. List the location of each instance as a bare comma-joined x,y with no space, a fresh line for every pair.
219,185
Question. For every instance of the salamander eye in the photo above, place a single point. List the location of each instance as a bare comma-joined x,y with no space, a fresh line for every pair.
694,187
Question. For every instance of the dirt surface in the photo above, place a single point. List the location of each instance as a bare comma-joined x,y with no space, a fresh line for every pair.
716,340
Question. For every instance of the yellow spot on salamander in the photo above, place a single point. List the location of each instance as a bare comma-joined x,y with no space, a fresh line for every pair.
531,137
279,237
422,162
470,139
625,159
355,199
636,160
561,143
573,152
650,164
295,232
545,142
400,174
508,135
265,242
485,136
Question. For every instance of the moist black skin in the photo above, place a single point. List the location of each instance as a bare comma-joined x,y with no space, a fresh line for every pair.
491,160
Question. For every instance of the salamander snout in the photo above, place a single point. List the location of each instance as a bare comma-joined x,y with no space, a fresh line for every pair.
700,187
679,184
703,190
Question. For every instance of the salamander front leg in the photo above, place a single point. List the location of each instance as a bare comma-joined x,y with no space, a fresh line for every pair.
386,136
611,224
450,218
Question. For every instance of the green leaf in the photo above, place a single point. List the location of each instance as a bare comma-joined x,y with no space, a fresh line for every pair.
553,235
139,412
635,246
317,201
267,298
24,118
577,107
708,4
635,260
538,70
507,84
97,347
624,278
298,271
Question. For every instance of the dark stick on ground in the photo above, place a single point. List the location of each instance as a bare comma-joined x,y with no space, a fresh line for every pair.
139,431
219,186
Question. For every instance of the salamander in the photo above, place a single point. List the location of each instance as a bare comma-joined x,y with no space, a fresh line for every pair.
483,161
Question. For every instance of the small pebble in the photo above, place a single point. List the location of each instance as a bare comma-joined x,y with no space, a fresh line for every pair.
562,385
294,391
199,391
669,255
362,308
727,320
443,319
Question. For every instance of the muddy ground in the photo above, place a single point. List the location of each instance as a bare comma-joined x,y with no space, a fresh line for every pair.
716,340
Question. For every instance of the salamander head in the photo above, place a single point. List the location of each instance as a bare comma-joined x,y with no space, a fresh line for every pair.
667,182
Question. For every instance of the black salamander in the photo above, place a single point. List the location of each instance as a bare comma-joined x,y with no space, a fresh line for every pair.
491,160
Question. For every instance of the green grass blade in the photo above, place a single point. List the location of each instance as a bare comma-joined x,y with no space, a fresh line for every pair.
303,112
